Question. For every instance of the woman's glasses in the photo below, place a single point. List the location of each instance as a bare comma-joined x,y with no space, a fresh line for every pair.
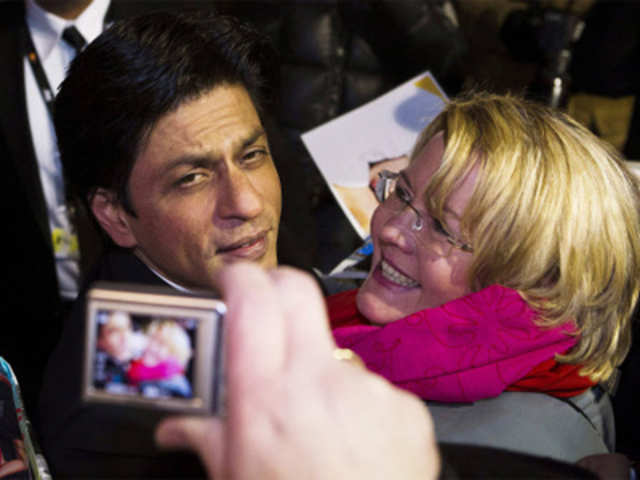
396,198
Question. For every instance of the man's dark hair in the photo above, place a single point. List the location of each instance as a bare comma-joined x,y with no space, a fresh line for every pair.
137,71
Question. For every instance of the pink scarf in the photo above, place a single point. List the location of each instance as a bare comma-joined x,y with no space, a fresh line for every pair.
471,348
141,372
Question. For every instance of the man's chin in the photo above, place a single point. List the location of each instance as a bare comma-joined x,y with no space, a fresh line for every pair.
267,259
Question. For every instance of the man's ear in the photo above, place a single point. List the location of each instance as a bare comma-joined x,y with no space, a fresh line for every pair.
112,217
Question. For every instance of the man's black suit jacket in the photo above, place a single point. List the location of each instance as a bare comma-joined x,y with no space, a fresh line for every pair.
81,441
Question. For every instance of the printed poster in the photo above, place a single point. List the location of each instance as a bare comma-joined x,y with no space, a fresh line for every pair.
351,149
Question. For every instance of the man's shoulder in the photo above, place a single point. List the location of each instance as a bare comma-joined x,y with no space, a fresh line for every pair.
81,440
122,266
61,390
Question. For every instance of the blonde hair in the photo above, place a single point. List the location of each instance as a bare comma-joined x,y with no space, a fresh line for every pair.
554,214
174,337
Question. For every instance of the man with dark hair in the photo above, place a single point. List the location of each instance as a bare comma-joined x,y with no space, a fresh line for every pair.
160,129
48,247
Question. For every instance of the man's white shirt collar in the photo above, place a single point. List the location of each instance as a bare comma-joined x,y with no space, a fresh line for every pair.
143,258
55,54
46,28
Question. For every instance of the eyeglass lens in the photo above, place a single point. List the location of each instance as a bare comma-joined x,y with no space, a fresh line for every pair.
396,198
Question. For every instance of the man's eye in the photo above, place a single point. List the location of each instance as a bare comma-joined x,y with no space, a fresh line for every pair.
190,179
255,157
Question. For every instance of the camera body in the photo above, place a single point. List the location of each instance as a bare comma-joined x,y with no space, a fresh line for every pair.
153,348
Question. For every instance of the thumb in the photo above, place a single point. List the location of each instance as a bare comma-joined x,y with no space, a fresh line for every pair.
202,435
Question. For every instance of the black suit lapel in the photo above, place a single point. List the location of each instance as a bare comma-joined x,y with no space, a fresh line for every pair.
13,120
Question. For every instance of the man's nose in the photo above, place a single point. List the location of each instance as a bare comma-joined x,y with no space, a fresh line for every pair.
237,197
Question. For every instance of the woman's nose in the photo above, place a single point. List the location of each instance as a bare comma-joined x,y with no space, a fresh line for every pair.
395,228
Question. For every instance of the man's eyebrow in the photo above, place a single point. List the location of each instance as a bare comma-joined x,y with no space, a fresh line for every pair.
197,160
253,137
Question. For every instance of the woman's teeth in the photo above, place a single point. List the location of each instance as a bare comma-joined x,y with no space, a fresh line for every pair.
395,276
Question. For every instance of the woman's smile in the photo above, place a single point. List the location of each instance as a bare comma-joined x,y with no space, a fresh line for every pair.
393,275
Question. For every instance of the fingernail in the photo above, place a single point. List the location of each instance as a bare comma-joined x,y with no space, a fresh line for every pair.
168,435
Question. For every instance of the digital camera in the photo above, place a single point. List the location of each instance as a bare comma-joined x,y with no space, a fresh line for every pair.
153,348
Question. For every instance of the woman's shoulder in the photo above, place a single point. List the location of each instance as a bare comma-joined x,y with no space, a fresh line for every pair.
531,423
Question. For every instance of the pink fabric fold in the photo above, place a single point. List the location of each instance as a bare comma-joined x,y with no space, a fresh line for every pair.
471,348
141,372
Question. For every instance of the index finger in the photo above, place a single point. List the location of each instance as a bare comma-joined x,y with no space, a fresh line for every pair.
308,338
254,326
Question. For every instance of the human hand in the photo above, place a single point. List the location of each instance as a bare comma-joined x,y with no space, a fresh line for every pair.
607,465
293,411
20,450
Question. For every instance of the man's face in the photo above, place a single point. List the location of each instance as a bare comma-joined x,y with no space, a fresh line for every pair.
68,9
205,190
116,337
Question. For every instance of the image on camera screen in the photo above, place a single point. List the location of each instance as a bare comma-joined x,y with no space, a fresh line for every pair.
144,355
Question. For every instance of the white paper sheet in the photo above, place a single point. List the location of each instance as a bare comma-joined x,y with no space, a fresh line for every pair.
346,147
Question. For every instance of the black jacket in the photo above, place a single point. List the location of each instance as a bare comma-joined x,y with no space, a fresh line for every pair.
81,441
30,306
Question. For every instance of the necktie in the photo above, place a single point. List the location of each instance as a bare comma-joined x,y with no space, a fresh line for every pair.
73,37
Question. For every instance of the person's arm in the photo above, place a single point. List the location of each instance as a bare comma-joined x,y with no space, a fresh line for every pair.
293,410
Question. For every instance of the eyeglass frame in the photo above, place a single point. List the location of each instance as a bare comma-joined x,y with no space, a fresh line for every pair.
383,190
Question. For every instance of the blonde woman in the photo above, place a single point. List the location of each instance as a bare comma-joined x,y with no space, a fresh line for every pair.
161,369
504,275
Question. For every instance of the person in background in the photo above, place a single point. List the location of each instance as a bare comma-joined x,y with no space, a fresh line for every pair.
604,73
43,264
505,272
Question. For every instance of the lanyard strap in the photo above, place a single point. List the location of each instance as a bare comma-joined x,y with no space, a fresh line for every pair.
38,71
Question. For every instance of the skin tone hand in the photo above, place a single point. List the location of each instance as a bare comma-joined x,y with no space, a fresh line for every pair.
608,466
17,465
293,411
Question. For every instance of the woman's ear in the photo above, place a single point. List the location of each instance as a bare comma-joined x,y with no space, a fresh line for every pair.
112,217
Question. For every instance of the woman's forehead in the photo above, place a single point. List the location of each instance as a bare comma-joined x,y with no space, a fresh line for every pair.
425,164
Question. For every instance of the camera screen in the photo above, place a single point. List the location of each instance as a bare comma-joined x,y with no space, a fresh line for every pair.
153,348
148,355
